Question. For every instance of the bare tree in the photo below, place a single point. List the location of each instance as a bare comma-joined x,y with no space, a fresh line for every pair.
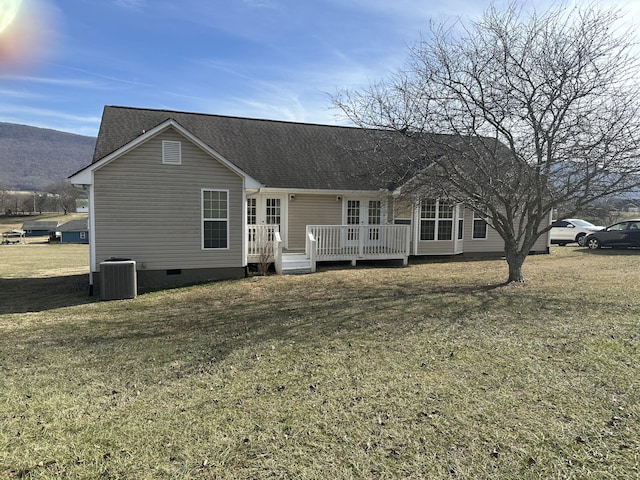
4,197
65,196
514,115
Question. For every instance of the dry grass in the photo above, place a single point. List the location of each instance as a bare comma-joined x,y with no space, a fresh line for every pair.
431,371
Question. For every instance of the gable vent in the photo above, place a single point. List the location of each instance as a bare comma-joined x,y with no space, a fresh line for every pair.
171,152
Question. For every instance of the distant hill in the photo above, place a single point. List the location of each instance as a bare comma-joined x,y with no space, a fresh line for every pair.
32,158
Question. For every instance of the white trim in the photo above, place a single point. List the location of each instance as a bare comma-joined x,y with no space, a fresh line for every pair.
245,252
85,177
92,232
203,219
370,194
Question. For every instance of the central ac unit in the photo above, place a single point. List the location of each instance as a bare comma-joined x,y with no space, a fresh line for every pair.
118,279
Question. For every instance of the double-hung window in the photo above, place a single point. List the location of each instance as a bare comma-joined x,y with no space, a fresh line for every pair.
436,220
215,219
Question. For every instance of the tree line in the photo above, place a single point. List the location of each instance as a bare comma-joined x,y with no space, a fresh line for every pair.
58,197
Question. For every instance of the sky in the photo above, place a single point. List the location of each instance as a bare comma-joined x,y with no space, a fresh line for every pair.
62,61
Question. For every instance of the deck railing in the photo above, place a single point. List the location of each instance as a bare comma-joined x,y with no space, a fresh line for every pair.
360,242
260,241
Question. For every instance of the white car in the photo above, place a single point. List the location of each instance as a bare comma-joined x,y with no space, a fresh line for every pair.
571,230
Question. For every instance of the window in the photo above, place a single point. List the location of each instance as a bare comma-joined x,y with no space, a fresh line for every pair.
445,221
436,220
353,218
215,219
252,211
375,212
273,211
375,216
171,152
252,217
428,220
479,227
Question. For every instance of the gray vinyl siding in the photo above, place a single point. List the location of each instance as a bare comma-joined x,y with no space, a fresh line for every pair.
311,210
492,244
436,247
151,212
542,244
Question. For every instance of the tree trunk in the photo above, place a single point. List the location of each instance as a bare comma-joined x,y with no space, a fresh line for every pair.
515,260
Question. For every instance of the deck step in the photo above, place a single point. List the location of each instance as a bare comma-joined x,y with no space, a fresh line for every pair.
295,264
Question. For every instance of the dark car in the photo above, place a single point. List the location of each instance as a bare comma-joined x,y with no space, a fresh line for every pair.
621,234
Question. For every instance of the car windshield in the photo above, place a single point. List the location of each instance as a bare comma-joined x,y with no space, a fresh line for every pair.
582,223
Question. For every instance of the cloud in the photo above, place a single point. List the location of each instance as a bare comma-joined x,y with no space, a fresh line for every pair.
131,4
259,3
43,112
62,82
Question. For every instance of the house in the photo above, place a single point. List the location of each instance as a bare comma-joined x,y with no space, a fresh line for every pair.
74,231
193,197
39,228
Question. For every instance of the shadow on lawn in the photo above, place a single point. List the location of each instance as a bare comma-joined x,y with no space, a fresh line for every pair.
20,295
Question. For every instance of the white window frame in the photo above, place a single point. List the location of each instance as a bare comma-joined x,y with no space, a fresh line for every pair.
437,220
211,219
477,217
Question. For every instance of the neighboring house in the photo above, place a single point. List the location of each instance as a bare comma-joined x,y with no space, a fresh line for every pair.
74,231
193,197
39,228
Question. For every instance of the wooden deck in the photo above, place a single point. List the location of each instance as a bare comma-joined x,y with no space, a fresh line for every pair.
327,243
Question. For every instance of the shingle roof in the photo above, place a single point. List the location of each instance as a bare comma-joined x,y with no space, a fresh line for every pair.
278,154
40,225
77,225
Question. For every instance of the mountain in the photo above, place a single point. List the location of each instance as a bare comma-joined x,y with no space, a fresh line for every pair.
32,158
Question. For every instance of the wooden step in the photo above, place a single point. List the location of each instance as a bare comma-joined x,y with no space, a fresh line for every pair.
295,264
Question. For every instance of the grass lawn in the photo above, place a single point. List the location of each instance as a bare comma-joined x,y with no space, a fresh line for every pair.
430,371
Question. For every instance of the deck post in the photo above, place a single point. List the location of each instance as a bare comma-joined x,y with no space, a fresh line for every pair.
312,250
277,253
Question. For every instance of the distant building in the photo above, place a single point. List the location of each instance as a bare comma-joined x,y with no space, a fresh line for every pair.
39,228
74,231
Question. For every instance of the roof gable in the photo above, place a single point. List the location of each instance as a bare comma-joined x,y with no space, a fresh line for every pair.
84,176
